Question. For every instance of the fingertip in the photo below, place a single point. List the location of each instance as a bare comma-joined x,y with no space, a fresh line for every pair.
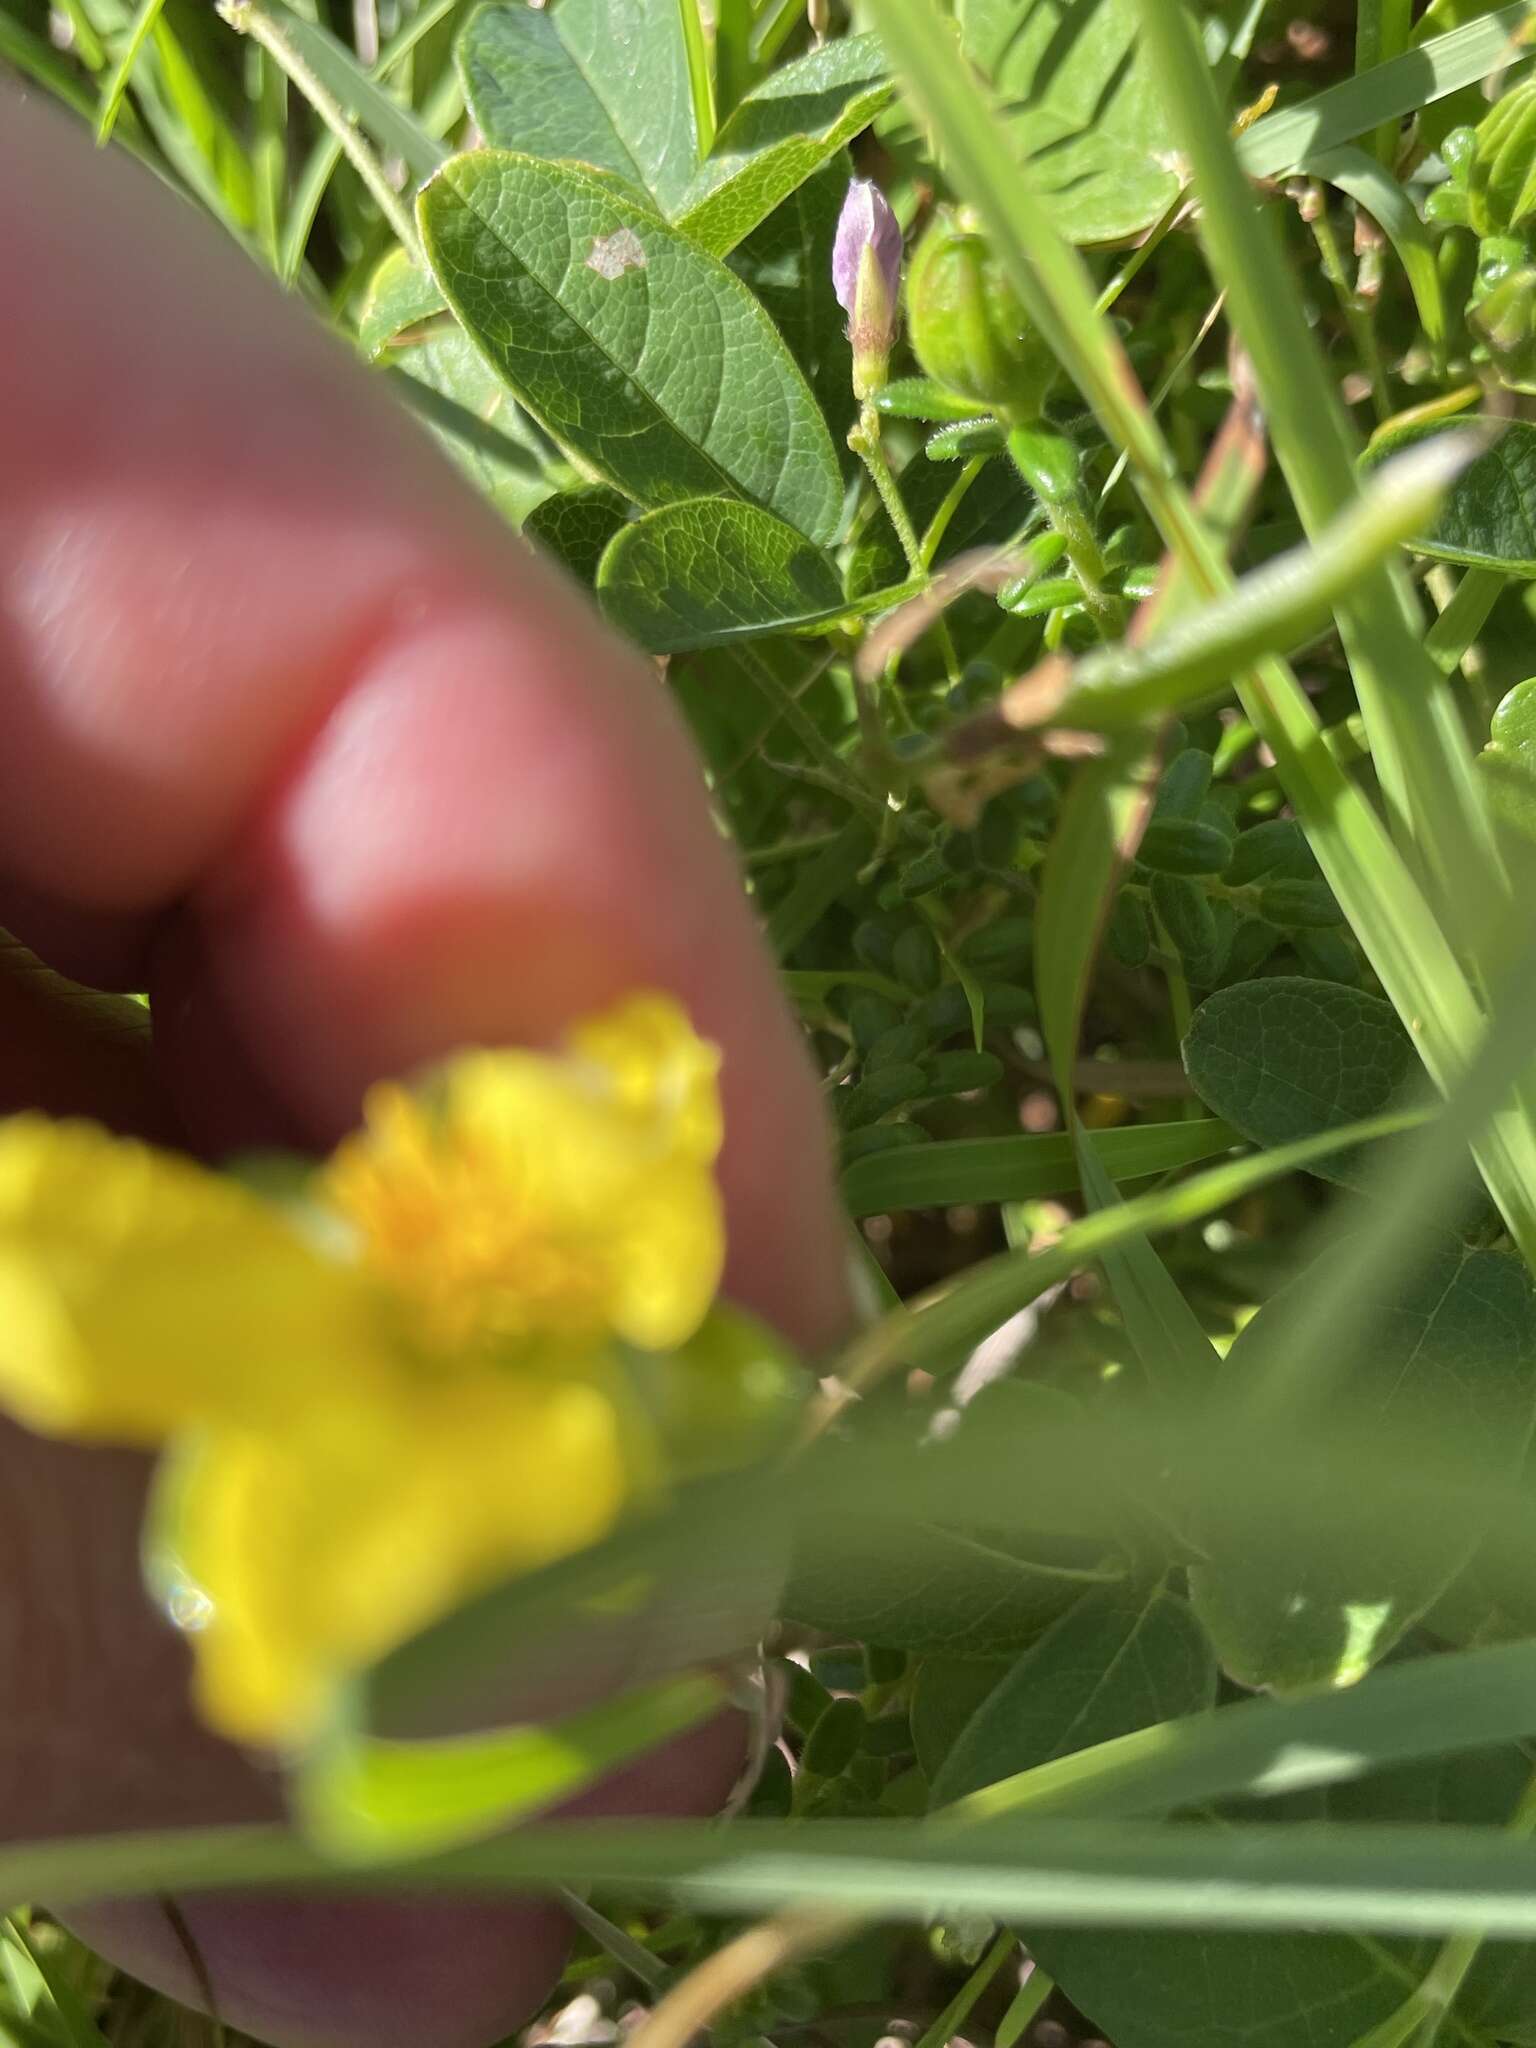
500,827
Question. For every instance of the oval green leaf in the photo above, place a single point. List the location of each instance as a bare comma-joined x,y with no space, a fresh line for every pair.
709,571
1287,1057
643,356
603,82
1488,520
1082,109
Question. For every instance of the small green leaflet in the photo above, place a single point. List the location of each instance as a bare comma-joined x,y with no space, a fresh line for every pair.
1286,1057
711,570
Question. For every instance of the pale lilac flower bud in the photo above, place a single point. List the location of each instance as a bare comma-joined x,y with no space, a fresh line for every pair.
866,276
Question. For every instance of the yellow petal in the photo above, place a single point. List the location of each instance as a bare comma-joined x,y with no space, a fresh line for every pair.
522,1193
657,1068
320,1548
139,1293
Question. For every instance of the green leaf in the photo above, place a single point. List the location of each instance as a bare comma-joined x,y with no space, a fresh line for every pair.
787,263
712,570
780,135
604,82
1455,1338
970,1597
1488,520
576,526
1082,112
635,350
1508,767
1023,1169
945,1697
1204,1990
40,2001
1285,1057
966,1590
1121,1659
473,419
400,294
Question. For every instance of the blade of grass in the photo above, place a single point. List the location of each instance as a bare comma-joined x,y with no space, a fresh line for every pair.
1401,937
701,83
1463,619
117,83
269,151
944,1321
344,84
1024,1169
291,43
1386,1878
1418,743
320,165
1381,33
1280,142
204,134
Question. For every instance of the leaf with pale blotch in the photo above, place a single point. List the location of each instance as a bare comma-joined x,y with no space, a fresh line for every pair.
709,571
666,378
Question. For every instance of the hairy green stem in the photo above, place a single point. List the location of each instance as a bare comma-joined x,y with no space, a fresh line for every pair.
865,442
251,18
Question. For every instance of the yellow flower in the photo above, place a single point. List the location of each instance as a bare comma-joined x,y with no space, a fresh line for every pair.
382,1406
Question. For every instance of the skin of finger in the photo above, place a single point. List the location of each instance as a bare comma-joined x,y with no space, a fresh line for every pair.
415,1972
236,586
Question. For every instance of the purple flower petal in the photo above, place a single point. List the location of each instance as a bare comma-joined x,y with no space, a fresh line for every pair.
866,222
